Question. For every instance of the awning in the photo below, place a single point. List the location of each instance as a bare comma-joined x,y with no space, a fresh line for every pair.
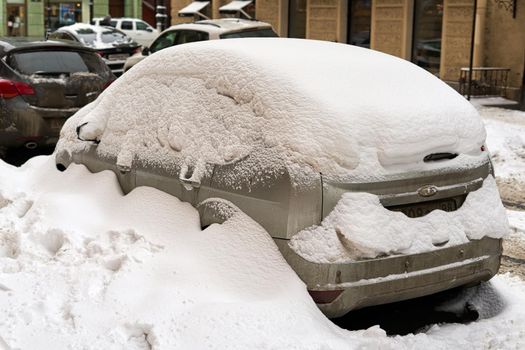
194,8
236,6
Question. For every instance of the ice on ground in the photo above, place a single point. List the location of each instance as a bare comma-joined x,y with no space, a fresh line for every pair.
360,227
307,101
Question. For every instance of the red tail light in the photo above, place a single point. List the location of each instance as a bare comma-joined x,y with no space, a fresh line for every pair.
10,89
324,296
106,85
137,50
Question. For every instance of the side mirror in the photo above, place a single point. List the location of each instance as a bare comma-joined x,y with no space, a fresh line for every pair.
149,30
145,51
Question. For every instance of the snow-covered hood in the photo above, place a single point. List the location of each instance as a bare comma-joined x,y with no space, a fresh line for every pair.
336,108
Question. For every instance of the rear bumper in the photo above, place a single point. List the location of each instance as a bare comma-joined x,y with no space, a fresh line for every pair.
380,281
22,123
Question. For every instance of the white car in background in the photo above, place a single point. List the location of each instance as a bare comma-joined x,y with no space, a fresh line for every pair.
137,29
225,28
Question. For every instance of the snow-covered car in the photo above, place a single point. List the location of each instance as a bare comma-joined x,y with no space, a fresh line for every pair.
213,29
111,44
370,174
135,28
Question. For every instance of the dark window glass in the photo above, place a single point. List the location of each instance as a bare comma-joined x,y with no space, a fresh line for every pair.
126,25
258,33
141,26
87,36
113,23
297,19
189,36
359,20
41,62
428,24
164,41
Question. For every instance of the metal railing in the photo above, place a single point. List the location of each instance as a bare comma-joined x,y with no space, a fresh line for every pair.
486,81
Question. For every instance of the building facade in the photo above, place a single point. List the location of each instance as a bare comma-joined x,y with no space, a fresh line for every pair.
435,34
33,17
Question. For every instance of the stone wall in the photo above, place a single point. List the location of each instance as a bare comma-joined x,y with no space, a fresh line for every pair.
456,38
326,20
391,27
505,43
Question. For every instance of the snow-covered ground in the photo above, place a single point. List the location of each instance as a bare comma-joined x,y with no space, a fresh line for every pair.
84,267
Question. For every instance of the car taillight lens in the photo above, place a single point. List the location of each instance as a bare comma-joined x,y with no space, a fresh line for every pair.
325,296
137,50
10,89
106,85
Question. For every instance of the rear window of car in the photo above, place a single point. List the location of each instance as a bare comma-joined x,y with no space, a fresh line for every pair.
257,33
55,62
110,36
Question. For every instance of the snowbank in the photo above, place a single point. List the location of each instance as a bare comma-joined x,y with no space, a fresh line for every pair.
84,267
360,227
324,106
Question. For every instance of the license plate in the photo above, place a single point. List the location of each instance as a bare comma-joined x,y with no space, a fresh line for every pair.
118,57
421,209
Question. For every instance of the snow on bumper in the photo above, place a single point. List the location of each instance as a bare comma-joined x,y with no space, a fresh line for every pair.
360,227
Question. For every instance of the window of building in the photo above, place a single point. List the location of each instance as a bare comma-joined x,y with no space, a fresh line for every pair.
359,23
238,9
297,19
61,13
428,25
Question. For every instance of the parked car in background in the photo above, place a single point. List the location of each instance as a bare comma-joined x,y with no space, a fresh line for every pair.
111,44
42,83
371,196
135,28
226,28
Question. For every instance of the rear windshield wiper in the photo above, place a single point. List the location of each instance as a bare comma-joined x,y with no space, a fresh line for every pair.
54,74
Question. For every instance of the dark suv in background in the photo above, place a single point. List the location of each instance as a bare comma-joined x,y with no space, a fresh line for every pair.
41,85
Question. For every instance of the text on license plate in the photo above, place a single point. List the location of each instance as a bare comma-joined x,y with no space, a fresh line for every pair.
118,57
422,209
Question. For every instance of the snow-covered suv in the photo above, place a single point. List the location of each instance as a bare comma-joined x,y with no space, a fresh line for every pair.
370,174
226,28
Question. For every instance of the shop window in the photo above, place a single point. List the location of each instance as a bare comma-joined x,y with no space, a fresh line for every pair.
297,19
62,13
359,22
428,26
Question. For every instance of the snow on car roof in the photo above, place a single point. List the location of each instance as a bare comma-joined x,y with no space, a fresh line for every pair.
334,108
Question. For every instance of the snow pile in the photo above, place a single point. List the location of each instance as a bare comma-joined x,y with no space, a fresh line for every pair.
306,101
360,227
84,267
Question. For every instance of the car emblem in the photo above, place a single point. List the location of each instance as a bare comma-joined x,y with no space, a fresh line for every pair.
427,191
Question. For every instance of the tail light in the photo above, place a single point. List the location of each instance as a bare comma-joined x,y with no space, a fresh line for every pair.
100,53
325,296
10,89
137,50
107,84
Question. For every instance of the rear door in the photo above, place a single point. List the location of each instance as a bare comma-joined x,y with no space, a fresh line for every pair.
61,77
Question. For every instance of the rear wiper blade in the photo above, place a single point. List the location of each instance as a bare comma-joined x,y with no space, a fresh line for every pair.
46,73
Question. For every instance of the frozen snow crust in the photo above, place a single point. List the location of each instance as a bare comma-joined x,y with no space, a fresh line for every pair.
334,108
360,227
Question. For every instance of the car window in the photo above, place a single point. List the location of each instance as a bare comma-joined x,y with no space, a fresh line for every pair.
87,35
164,41
257,33
141,26
55,61
126,25
113,24
189,36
